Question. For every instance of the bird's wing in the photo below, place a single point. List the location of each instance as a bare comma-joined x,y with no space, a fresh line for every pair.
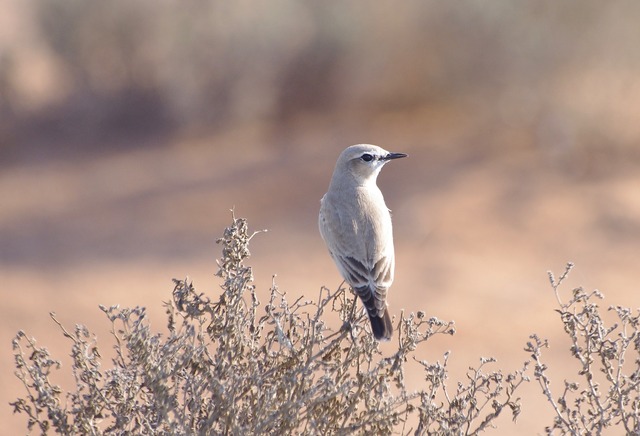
358,274
370,284
370,279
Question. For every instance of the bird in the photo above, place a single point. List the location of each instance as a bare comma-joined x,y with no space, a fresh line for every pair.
355,224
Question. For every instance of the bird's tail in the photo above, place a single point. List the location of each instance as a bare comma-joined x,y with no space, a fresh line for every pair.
381,325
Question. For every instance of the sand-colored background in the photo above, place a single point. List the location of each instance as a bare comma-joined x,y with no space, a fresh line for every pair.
128,131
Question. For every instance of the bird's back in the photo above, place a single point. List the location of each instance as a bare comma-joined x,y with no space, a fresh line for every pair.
358,234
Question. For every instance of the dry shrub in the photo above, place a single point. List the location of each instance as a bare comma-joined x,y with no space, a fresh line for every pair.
236,366
606,395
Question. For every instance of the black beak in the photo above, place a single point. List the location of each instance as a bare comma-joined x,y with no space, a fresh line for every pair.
394,156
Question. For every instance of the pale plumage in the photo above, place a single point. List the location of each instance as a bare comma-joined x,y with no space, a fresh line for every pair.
355,223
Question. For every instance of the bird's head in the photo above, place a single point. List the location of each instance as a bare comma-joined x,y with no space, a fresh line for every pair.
364,161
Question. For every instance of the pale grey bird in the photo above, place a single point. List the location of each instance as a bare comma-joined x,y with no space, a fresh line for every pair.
355,223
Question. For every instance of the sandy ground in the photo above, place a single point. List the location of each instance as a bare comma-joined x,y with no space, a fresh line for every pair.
476,227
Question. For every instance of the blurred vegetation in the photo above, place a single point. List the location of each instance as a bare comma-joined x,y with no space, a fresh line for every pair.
565,73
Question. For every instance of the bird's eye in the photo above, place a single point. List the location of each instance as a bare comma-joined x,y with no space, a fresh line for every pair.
367,157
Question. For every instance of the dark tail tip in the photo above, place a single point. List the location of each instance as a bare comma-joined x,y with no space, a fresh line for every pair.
381,326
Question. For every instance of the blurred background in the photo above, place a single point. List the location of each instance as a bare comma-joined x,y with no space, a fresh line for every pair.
128,130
